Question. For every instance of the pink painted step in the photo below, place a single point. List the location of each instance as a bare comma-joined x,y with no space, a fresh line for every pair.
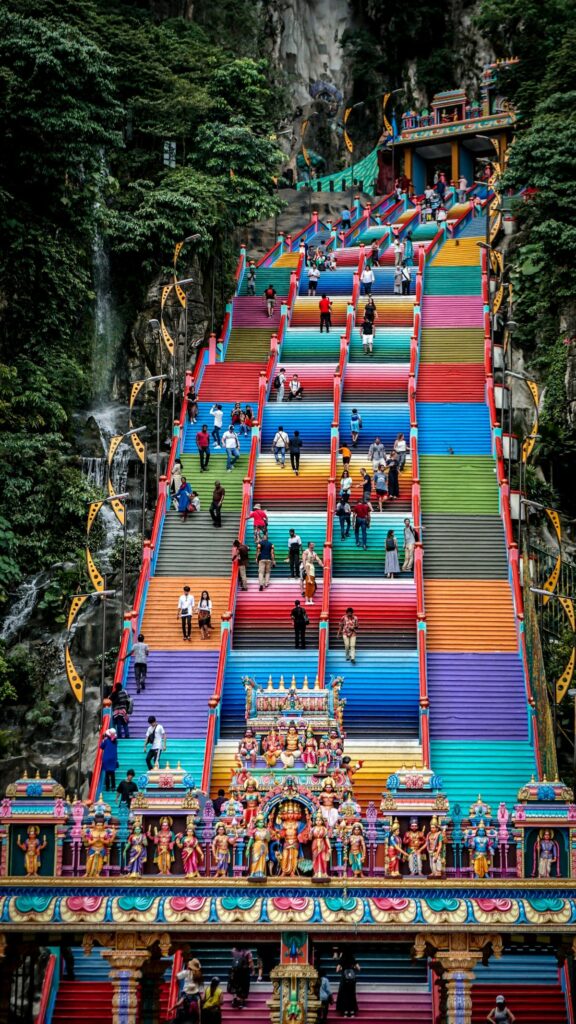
453,311
250,311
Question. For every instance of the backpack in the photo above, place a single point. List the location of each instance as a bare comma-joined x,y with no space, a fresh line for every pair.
276,382
349,974
390,545
130,705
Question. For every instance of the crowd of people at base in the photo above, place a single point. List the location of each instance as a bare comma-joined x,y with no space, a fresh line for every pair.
198,1002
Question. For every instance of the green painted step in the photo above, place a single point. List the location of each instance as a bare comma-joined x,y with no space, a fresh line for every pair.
495,770
308,345
458,483
189,753
452,281
248,345
279,278
459,345
391,345
204,482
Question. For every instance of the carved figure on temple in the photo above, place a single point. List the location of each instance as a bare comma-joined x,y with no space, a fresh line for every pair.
327,799
323,758
257,849
310,752
248,748
482,846
287,829
32,848
335,745
292,747
321,847
163,839
272,746
395,851
415,842
192,852
232,808
356,850
252,800
546,855
97,839
221,851
136,849
349,808
435,849
193,805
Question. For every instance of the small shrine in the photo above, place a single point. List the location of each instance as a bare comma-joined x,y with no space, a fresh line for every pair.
545,821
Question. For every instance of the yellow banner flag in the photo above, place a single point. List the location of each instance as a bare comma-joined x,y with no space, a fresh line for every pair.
93,510
177,250
95,576
387,126
164,294
117,506
552,582
565,679
568,606
115,443
75,607
75,680
555,520
529,442
167,338
138,446
134,392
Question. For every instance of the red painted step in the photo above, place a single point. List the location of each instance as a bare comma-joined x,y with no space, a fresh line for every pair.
530,1004
376,382
230,382
83,1002
450,382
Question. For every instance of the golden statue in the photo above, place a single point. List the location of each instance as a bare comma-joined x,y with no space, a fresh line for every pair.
32,848
97,839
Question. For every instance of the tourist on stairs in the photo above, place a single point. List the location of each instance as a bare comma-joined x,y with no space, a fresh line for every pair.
212,1004
121,710
355,426
127,788
216,412
139,653
401,449
325,306
185,609
295,446
410,538
408,250
313,278
109,748
295,389
203,445
184,495
398,280
368,337
345,219
259,519
370,311
241,556
251,278
294,549
345,485
232,446
192,404
266,559
347,968
215,509
406,279
393,481
367,279
392,565
344,513
300,621
270,296
280,443
501,1014
361,513
309,557
398,249
380,485
205,615
279,384
376,453
156,740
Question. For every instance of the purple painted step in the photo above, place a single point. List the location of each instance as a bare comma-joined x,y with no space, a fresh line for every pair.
250,311
477,697
178,686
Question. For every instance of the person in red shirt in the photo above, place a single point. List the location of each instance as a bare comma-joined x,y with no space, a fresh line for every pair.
325,306
259,521
203,446
361,512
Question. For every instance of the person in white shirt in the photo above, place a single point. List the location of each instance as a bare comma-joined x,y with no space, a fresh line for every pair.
279,446
462,189
441,216
332,262
313,278
376,453
195,502
398,247
232,446
406,278
216,412
279,384
367,278
156,740
185,609
401,449
295,389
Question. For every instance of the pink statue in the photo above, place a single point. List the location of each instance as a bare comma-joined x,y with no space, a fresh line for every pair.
321,848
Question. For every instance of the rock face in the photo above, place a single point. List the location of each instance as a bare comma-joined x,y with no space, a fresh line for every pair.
307,43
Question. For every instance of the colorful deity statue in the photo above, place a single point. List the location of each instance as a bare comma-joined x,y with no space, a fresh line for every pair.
482,846
356,850
546,855
32,848
136,849
292,747
335,745
97,838
327,801
163,839
310,752
272,746
321,847
349,809
257,849
248,748
395,851
232,808
415,842
323,758
221,851
435,849
287,828
192,852
251,799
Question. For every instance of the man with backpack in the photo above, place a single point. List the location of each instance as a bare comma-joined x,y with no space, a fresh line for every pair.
270,296
156,740
122,707
300,620
325,306
279,384
406,279
251,278
279,446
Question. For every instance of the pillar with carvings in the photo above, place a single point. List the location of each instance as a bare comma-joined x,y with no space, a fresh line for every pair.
457,955
128,953
294,983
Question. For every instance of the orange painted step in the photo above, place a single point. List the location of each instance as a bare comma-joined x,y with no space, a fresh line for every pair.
161,627
469,615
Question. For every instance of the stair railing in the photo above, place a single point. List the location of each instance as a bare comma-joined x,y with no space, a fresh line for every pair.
174,986
49,991
421,626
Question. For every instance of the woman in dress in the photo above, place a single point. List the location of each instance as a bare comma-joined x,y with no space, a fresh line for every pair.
257,849
392,566
393,482
205,615
183,496
400,447
310,585
380,486
347,968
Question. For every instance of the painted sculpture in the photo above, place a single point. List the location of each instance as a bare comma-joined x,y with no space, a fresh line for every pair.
221,851
321,848
435,849
98,839
32,848
481,844
163,840
415,842
546,855
192,852
357,850
258,849
136,849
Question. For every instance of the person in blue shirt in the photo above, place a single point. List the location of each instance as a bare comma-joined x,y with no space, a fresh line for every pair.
355,426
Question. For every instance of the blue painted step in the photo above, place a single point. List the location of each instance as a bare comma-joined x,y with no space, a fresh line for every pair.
381,692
